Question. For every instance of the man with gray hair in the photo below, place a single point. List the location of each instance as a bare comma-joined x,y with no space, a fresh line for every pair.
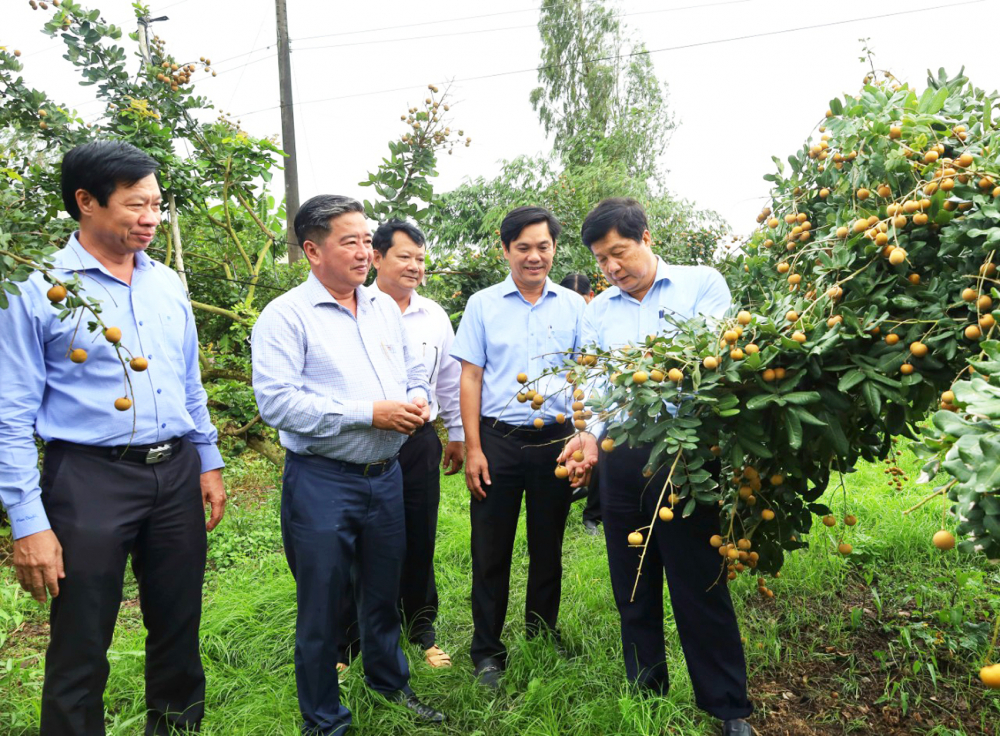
333,371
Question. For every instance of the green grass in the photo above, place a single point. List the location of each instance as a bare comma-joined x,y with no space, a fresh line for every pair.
886,641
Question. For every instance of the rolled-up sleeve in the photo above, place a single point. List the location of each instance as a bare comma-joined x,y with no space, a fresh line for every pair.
278,347
21,391
470,342
204,437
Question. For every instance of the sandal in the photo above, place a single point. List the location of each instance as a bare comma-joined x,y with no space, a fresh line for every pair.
435,657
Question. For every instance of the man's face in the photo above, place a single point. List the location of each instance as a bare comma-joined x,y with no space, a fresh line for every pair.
128,223
628,264
342,260
530,255
402,267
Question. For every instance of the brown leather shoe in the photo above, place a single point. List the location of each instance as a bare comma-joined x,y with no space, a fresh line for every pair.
435,657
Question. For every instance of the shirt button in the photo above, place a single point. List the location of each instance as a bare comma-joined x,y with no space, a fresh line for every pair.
159,390
140,323
150,357
163,426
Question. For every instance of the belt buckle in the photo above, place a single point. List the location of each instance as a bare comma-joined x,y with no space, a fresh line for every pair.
159,453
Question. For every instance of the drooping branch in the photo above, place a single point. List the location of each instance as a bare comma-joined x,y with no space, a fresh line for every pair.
220,311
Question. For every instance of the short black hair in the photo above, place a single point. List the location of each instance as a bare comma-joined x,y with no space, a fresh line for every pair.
382,239
100,168
312,221
624,215
518,219
578,282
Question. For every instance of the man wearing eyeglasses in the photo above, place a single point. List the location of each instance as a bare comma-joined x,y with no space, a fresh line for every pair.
400,248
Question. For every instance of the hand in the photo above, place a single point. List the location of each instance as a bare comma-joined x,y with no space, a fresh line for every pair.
453,456
476,466
213,494
397,416
579,470
38,563
425,412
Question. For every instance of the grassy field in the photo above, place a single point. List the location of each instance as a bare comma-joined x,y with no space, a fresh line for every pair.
888,641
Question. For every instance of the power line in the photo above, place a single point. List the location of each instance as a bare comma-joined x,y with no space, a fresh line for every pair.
645,52
508,28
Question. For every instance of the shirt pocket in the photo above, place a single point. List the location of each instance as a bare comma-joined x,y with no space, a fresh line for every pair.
171,341
560,343
397,363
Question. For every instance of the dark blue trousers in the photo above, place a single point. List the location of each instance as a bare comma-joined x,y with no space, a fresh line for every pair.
333,521
703,610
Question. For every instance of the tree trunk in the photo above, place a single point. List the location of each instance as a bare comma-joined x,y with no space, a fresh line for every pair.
267,448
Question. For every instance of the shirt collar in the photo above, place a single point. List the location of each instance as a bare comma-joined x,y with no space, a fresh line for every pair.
508,287
77,258
662,274
418,302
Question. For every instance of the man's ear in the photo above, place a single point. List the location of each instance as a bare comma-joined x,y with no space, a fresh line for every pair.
311,251
376,258
86,202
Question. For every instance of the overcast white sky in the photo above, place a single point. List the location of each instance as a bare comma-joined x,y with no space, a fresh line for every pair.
358,66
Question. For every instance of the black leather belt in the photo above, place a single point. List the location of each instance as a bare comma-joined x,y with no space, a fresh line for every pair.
528,432
367,470
141,454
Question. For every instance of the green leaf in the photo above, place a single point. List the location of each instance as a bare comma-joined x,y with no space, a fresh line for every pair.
871,397
760,401
802,397
794,429
849,380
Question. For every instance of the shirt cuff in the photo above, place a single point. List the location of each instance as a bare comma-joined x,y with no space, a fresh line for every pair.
456,433
28,518
357,414
211,458
414,393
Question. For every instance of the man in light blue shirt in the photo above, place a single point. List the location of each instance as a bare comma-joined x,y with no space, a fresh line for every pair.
334,371
524,325
128,467
643,291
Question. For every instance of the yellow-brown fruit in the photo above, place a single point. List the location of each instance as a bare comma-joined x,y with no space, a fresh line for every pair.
881,239
123,404
948,397
710,363
834,320
769,375
884,191
607,444
930,157
78,356
635,539
906,369
665,513
986,183
863,194
799,337
521,398
522,377
675,375
984,303
539,422
531,394
910,206
640,377
920,219
914,278
792,316
860,226
751,348
656,375
965,160
578,394
897,257
972,332
773,223
990,676
918,349
969,295
56,294
730,336
783,267
829,520
824,193
113,335
842,232
895,132
580,424
562,471
850,520
986,321
844,548
736,354
899,222
744,318
767,515
715,541
944,540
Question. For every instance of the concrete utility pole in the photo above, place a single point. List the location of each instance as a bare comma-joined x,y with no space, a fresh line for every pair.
288,132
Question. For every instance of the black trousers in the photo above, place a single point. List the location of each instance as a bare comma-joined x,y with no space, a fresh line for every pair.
420,461
703,610
102,511
520,463
592,510
334,522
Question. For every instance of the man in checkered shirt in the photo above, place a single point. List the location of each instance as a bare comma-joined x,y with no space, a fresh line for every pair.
334,372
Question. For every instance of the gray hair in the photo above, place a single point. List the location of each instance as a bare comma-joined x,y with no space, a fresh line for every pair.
312,221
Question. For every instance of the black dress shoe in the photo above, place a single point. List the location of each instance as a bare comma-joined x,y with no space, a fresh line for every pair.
591,527
578,494
737,727
488,673
422,711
